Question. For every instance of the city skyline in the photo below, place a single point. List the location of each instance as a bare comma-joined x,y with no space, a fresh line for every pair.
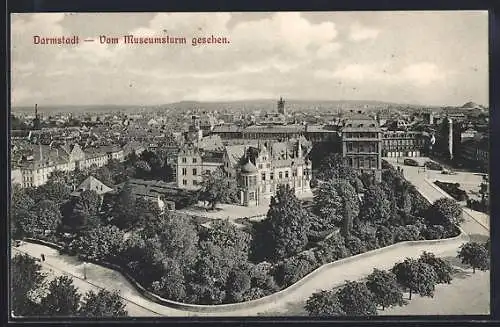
402,57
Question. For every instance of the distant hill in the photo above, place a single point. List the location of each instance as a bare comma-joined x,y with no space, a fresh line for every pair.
242,105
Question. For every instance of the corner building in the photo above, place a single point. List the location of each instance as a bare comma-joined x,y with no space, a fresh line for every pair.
362,145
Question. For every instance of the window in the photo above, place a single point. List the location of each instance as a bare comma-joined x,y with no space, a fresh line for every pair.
349,147
263,177
184,171
268,165
299,182
195,172
280,175
195,160
260,166
294,173
195,182
271,176
184,160
286,174
251,196
361,162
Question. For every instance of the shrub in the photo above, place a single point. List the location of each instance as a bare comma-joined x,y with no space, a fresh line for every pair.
406,233
355,245
434,232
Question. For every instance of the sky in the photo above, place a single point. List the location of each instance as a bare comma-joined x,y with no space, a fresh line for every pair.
433,58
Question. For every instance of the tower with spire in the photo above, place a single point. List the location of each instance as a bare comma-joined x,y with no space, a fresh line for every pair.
36,120
281,106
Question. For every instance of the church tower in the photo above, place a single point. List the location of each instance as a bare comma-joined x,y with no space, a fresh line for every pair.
281,106
36,121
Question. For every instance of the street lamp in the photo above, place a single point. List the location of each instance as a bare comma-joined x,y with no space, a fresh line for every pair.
84,270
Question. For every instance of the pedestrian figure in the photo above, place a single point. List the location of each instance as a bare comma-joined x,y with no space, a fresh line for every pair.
43,257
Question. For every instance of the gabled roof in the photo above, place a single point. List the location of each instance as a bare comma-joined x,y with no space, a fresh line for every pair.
92,184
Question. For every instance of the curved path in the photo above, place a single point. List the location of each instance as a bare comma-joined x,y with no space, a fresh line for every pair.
137,305
98,276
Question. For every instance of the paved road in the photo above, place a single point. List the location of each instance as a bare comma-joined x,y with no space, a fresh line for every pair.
137,305
476,223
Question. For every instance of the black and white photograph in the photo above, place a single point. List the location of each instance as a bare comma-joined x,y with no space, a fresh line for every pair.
327,164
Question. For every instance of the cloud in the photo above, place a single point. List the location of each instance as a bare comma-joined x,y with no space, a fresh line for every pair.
418,74
423,73
360,33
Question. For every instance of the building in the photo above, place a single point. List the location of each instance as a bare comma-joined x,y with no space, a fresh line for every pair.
192,164
166,195
43,160
404,143
260,169
362,145
92,184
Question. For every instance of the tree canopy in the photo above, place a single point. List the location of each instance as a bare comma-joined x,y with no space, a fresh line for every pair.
385,288
102,304
324,303
475,255
287,224
416,276
217,188
356,299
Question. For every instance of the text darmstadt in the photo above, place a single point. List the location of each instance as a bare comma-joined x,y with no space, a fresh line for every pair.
61,40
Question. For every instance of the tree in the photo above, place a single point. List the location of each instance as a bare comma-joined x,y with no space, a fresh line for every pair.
327,203
331,249
26,277
45,218
416,276
385,236
446,212
177,238
487,246
20,211
406,233
123,212
223,248
357,300
238,283
288,224
324,303
475,255
216,188
142,169
349,207
102,243
375,207
334,167
355,245
85,211
103,304
291,270
442,268
385,288
171,284
62,298
58,176
55,191
367,233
